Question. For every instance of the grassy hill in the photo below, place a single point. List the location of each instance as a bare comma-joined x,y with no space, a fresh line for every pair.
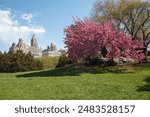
49,62
78,82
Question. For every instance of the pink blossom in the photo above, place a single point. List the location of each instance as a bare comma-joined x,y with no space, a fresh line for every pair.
85,38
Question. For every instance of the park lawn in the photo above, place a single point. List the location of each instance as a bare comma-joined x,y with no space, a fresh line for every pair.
78,82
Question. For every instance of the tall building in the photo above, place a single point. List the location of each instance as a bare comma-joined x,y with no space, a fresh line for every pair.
34,49
34,41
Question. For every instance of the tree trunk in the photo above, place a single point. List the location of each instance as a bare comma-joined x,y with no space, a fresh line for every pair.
146,53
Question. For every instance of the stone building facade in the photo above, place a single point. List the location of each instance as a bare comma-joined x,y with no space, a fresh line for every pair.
51,51
35,50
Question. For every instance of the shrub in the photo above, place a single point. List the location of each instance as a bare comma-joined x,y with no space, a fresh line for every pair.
19,61
63,60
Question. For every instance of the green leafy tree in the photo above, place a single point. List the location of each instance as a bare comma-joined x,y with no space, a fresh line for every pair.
19,61
131,16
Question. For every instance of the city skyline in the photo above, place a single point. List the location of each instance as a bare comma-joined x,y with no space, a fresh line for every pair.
47,19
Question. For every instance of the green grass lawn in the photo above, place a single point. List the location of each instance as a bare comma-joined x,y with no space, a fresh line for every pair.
74,82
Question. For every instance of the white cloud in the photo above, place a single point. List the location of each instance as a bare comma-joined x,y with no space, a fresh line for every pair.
11,30
27,16
37,30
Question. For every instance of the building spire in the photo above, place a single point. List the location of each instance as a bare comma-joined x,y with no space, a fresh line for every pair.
34,41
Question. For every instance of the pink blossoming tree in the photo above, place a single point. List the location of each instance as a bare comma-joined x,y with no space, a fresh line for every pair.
86,38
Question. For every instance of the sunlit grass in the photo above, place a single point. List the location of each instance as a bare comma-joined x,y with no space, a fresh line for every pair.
78,82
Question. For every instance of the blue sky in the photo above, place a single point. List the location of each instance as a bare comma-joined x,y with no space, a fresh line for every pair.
46,18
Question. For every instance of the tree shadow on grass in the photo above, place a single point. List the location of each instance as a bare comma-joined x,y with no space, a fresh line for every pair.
66,71
73,70
146,87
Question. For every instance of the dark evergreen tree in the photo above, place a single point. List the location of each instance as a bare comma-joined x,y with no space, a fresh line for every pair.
19,61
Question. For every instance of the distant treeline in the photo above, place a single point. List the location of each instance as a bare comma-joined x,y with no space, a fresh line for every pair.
18,62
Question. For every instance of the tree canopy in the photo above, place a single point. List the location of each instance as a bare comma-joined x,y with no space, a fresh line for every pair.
85,38
19,61
131,16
